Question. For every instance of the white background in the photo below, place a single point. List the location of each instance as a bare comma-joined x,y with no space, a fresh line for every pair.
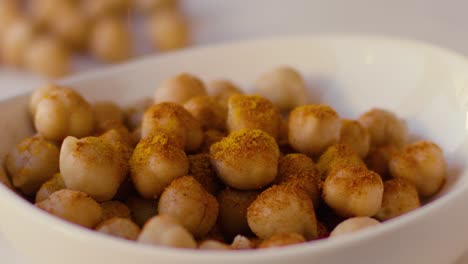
442,22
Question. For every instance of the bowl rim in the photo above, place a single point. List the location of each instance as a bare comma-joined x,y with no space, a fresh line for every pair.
28,210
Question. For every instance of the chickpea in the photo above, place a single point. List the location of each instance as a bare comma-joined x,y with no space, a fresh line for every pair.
16,39
400,196
176,121
299,170
168,30
43,11
4,179
32,162
93,166
213,245
119,227
211,137
136,135
163,230
179,89
134,113
222,90
210,113
142,209
154,5
63,112
247,159
103,8
107,113
119,135
186,201
356,136
38,95
284,86
353,191
313,128
384,128
8,14
352,225
423,164
233,206
72,27
281,240
155,162
49,187
49,57
336,156
241,242
282,209
200,168
110,40
254,112
111,209
378,159
74,206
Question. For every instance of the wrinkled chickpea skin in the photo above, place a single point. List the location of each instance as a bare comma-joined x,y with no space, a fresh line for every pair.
163,230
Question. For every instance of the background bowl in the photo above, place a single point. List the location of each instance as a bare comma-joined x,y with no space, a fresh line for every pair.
426,85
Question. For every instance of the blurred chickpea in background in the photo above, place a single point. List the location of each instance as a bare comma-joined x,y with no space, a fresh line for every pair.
110,40
134,112
106,113
179,89
102,8
72,27
148,6
9,12
222,90
168,29
384,127
16,39
209,112
49,57
356,136
43,11
378,160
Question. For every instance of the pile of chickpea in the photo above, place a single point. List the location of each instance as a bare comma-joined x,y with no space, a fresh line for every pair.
42,35
209,167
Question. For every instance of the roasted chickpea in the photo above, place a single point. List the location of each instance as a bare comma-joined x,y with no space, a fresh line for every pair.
284,86
111,209
106,113
281,240
49,187
352,225
313,128
209,112
221,90
423,164
179,89
142,209
335,156
353,191
200,168
119,227
378,159
168,30
186,201
154,5
93,166
254,112
103,8
44,11
213,245
49,57
16,39
4,179
210,137
175,121
110,40
384,128
134,113
247,159
241,242
63,112
233,206
155,162
400,196
32,162
74,206
72,27
356,136
282,209
163,230
119,134
38,95
9,12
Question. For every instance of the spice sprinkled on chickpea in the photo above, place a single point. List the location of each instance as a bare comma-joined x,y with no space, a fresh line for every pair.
336,156
200,168
163,230
352,225
356,136
49,187
400,196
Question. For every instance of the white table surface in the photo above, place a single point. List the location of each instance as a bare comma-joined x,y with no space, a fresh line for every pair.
213,21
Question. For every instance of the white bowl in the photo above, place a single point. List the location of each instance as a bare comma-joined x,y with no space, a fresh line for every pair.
422,83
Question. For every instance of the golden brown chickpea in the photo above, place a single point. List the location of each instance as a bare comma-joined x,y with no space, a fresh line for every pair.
74,206
352,225
313,128
38,95
168,30
49,57
16,39
63,112
221,90
106,113
254,112
119,135
163,230
111,209
213,245
4,179
175,121
9,12
94,166
378,159
142,209
335,156
247,159
209,112
155,162
32,162
154,5
233,206
282,209
110,40
49,187
400,196
356,136
241,242
119,227
281,240
384,128
179,89
102,8
200,168
43,11
134,113
72,27
284,86
423,164
186,201
211,137
353,191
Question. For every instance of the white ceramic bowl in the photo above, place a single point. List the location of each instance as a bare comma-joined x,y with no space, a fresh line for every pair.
422,83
